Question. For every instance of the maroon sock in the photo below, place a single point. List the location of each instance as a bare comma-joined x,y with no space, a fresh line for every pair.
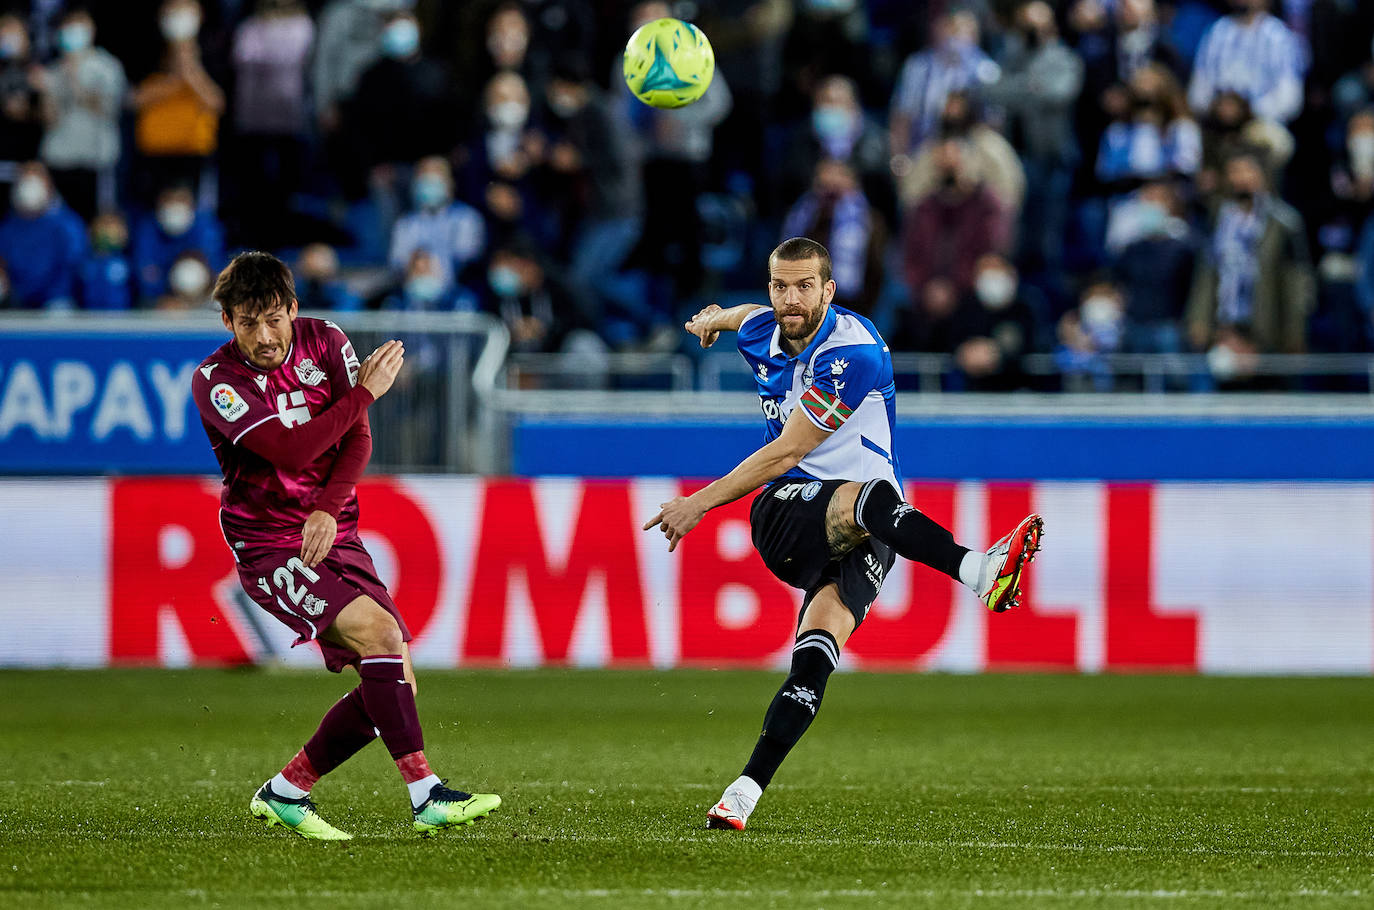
300,771
345,729
390,702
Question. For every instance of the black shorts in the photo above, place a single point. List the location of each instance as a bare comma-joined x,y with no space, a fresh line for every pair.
787,520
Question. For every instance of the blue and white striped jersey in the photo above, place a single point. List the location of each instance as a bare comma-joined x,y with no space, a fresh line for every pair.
842,382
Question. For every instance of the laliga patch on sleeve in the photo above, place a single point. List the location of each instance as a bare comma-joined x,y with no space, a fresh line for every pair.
229,403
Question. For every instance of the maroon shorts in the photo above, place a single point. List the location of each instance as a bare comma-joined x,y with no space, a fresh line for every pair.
308,600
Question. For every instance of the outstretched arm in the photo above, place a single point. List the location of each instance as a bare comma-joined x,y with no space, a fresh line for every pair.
712,320
799,436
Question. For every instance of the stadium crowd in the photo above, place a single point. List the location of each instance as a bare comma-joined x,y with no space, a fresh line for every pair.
992,177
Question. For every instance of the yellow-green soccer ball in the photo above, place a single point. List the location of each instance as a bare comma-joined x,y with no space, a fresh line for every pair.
668,63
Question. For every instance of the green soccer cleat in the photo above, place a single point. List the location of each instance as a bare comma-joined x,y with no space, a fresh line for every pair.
296,815
446,808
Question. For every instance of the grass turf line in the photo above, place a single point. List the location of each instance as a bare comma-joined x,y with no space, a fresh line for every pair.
130,788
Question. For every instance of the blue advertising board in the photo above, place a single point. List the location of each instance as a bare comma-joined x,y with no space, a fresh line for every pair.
104,403
1060,448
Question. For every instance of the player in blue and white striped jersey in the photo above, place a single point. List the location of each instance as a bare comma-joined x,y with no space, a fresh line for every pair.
831,516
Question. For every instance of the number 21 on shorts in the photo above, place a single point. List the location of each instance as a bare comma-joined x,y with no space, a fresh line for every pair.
285,580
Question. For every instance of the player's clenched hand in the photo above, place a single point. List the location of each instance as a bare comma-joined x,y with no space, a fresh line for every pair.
317,537
703,325
379,370
676,517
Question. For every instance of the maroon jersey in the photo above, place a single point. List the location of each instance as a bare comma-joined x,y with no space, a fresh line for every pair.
265,502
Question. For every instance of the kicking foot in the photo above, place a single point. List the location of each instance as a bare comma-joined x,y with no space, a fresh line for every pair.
296,815
1000,586
446,808
732,811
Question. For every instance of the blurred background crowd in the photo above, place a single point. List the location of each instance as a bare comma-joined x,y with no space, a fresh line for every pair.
993,177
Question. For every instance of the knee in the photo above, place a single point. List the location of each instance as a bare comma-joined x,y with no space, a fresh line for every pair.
384,635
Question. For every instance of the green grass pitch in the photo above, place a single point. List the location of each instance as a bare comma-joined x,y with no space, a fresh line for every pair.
130,789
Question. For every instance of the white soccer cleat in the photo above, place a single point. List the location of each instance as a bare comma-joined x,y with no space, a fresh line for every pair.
732,811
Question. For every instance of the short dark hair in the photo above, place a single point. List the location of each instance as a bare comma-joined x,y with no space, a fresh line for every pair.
794,249
254,282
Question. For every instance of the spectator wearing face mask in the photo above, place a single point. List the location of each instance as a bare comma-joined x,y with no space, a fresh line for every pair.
1088,334
1157,137
1254,54
425,288
83,98
188,284
175,227
176,128
953,63
1230,127
1349,196
318,286
837,214
594,166
450,231
106,273
1254,279
404,108
1153,267
838,128
346,45
678,146
989,154
506,47
271,117
828,38
21,100
43,243
945,234
1038,88
499,159
993,328
537,308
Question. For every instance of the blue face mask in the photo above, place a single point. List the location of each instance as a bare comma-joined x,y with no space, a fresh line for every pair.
831,122
504,281
400,39
424,288
429,192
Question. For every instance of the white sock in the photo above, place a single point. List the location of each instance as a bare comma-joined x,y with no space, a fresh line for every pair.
283,787
748,787
971,570
419,790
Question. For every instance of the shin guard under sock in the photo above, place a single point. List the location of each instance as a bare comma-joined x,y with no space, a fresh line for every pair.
345,729
390,702
881,511
794,707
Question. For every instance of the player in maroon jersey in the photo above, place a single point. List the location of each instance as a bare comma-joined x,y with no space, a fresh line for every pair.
285,406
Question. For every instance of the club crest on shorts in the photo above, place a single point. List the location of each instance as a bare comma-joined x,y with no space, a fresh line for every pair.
314,605
228,402
308,373
810,490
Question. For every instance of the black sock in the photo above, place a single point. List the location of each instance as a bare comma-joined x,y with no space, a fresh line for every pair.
813,659
881,511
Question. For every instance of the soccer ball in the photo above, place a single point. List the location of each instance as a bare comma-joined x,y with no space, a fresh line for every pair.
668,63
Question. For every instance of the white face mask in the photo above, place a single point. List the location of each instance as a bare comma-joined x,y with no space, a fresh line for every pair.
189,278
75,38
180,24
30,195
176,218
995,288
510,115
1100,313
1361,149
